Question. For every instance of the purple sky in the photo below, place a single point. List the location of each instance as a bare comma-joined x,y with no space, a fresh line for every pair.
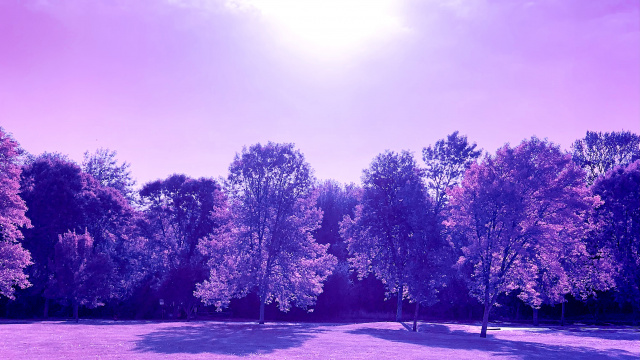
179,86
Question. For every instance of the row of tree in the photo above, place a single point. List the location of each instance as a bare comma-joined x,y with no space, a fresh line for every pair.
531,220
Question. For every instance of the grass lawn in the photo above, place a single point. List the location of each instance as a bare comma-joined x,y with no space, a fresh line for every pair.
97,339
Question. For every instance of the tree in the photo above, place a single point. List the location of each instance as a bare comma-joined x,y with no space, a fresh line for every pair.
388,230
13,257
509,208
50,184
567,269
600,152
445,163
61,198
266,243
339,293
78,274
619,233
104,167
112,222
430,263
180,211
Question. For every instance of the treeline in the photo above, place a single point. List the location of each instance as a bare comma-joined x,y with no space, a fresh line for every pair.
462,234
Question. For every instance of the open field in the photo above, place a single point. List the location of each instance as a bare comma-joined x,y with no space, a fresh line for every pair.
96,339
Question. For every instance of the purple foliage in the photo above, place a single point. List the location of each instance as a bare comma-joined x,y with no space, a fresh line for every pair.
104,167
179,211
514,215
266,243
61,198
600,152
619,233
13,257
391,233
78,272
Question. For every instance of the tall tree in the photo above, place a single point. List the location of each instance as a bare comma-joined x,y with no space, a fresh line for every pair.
266,244
61,198
180,211
50,184
13,257
512,206
385,235
600,152
104,167
445,163
619,233
78,274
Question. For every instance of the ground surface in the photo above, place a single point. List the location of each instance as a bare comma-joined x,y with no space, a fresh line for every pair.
94,339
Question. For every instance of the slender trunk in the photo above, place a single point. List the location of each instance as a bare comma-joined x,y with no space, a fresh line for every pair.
485,314
46,308
399,306
517,310
562,315
634,321
75,311
535,317
415,317
261,321
485,317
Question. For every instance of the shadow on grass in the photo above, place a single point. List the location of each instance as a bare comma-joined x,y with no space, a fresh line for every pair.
609,334
440,336
226,338
82,322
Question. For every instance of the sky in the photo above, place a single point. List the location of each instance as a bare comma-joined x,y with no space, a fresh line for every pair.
180,86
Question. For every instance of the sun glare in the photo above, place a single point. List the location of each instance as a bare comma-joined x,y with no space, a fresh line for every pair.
329,28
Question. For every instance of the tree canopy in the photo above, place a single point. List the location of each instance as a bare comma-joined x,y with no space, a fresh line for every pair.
104,167
387,234
179,211
13,257
600,152
619,233
267,244
515,207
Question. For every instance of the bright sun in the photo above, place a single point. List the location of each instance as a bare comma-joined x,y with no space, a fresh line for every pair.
329,28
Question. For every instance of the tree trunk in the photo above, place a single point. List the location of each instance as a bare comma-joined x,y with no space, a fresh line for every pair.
562,315
485,317
399,306
415,317
535,317
261,321
517,310
46,308
75,311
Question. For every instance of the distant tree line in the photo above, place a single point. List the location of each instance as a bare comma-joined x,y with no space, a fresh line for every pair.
463,234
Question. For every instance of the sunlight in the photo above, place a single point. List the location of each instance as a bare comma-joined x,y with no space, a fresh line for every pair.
329,28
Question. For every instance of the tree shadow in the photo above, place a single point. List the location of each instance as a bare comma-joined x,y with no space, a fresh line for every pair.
226,338
440,336
93,322
609,334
